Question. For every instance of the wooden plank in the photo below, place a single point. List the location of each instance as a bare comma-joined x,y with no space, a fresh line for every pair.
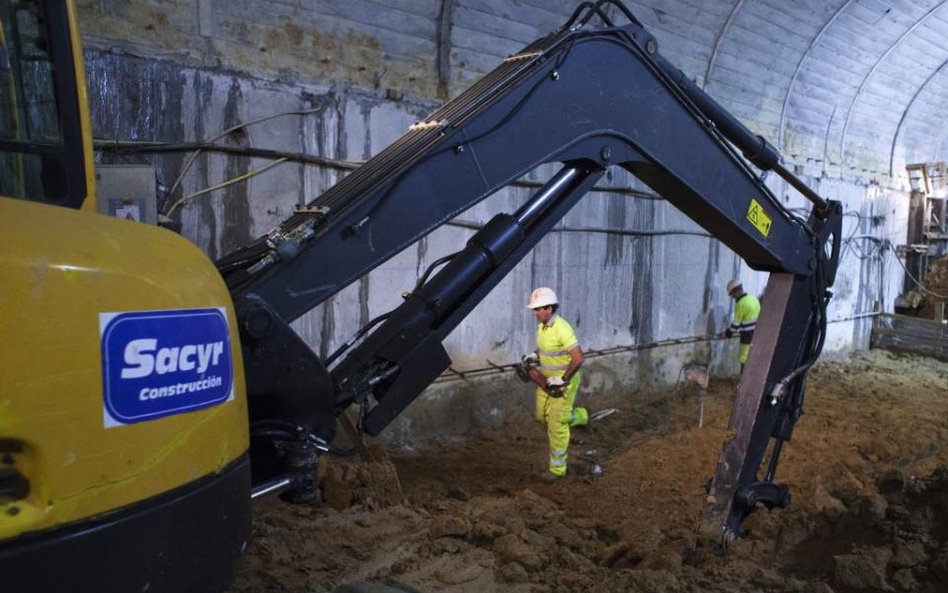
901,333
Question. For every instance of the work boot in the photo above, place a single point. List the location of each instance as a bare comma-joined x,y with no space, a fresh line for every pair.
549,477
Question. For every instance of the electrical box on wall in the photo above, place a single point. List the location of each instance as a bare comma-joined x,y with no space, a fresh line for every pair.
127,191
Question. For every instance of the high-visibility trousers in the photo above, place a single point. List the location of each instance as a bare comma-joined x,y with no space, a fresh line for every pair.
559,415
743,352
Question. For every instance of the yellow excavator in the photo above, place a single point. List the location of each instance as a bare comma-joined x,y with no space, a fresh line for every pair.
147,394
100,492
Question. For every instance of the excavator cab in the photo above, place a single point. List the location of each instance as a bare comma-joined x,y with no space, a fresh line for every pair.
44,154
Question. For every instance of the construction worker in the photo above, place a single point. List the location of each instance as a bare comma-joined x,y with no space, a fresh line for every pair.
557,378
746,312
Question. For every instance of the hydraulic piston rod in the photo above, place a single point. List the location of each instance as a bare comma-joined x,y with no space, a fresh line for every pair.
404,339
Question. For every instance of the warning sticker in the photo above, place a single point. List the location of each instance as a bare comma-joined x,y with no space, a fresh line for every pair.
759,218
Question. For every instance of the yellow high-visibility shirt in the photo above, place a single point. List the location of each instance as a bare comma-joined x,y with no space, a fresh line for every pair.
554,341
746,312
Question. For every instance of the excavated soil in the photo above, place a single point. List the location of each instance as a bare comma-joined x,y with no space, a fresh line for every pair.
868,470
936,287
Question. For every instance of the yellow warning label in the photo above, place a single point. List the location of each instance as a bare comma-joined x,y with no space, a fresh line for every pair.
760,219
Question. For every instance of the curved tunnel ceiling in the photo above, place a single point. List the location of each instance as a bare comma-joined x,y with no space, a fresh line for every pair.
856,87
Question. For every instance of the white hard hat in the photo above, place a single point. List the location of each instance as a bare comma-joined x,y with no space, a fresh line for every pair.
732,285
542,297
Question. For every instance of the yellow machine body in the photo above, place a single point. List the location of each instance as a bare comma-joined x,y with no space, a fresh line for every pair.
92,499
60,270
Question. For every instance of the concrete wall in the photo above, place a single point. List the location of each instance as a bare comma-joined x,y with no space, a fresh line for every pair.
352,76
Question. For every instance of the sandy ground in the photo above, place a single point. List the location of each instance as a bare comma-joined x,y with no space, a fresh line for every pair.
868,469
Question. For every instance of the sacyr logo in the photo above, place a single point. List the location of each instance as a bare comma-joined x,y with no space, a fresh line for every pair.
143,358
158,363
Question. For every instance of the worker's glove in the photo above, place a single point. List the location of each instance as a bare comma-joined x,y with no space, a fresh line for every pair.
527,362
555,386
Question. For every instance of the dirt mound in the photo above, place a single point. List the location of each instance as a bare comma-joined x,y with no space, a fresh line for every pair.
936,283
894,535
867,468
373,483
937,278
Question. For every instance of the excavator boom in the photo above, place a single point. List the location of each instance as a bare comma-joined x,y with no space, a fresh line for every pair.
587,98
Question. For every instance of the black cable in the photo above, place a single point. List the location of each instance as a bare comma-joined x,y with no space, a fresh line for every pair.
119,146
622,7
424,278
288,431
846,213
597,8
588,6
225,267
362,331
274,433
878,247
350,452
620,232
845,245
274,424
817,341
625,191
510,115
360,431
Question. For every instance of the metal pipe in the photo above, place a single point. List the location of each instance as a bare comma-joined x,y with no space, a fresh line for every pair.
425,308
774,457
272,487
548,194
793,180
755,148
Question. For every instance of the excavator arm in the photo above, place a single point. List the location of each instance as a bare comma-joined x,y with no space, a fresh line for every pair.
587,98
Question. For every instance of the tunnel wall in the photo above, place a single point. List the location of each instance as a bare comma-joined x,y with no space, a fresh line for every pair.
363,72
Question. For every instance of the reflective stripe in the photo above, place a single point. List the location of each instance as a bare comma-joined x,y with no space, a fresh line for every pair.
746,310
554,341
554,367
559,452
743,353
555,462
